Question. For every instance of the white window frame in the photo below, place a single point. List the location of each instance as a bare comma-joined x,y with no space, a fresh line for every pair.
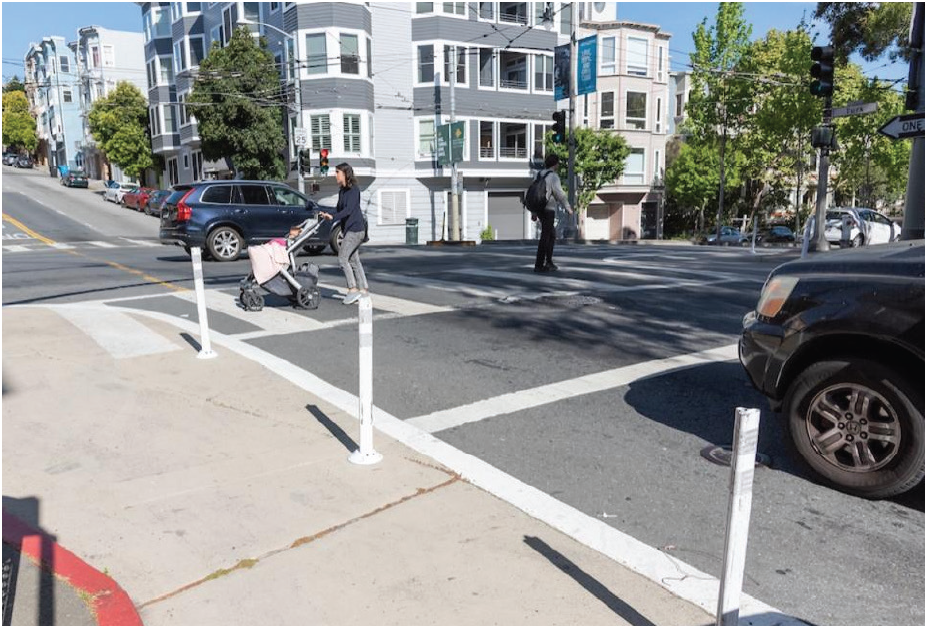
312,135
478,67
215,35
173,174
173,116
642,173
628,55
397,220
65,61
530,75
197,159
441,9
657,127
660,64
179,55
544,128
627,117
446,79
186,160
419,156
111,62
416,13
155,120
169,66
494,17
608,66
538,15
275,9
657,166
540,89
202,38
528,140
96,61
494,124
67,95
325,69
416,56
340,38
359,134
612,117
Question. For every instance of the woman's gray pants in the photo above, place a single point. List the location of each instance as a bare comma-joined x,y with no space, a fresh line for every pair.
349,258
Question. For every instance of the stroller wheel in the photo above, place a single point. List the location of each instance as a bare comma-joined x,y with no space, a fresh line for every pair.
308,298
251,300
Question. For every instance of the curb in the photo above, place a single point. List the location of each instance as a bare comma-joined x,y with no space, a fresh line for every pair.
111,604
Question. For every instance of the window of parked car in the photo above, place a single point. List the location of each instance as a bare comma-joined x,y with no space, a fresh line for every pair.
219,194
287,197
254,195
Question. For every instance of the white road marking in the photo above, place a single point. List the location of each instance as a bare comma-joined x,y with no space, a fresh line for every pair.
62,246
394,305
115,331
140,242
695,586
16,249
102,244
444,286
273,320
546,394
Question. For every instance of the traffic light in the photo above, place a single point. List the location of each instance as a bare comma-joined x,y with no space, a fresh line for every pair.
304,163
323,161
559,127
822,71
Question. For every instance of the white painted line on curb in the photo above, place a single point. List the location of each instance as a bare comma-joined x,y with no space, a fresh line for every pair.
693,586
546,394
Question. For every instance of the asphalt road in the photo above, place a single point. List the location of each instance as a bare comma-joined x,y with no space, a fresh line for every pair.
627,451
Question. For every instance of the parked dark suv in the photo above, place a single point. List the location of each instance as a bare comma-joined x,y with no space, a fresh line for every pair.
836,344
224,217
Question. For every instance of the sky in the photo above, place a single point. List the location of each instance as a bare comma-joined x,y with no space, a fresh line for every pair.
26,22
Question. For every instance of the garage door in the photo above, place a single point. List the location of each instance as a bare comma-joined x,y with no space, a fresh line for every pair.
507,215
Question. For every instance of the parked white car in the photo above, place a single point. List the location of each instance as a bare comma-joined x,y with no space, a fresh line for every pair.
116,192
876,228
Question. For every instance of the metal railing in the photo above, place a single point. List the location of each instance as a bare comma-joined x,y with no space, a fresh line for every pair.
486,152
514,83
515,152
513,18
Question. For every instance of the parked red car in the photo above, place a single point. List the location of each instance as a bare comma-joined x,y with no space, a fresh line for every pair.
137,198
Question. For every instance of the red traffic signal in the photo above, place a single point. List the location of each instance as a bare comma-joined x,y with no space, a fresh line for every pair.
323,161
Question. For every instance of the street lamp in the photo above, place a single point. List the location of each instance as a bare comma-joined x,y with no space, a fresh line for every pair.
298,94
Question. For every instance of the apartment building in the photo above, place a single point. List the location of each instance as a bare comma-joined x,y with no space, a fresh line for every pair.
632,99
52,89
104,59
373,85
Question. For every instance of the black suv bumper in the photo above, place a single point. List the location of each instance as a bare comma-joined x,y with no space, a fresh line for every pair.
760,353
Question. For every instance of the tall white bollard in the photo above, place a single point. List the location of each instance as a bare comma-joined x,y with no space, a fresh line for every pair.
206,351
365,455
745,442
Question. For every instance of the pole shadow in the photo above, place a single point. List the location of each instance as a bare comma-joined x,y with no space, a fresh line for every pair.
592,585
335,430
27,510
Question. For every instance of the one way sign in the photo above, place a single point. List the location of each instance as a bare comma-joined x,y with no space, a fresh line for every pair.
904,126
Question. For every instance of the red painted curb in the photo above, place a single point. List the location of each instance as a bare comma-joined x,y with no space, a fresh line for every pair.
110,602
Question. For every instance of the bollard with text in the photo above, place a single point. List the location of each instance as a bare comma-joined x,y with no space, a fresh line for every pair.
366,455
205,352
745,442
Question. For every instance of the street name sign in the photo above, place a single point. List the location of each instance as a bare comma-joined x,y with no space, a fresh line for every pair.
856,108
904,126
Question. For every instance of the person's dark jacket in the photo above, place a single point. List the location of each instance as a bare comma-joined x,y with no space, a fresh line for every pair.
348,210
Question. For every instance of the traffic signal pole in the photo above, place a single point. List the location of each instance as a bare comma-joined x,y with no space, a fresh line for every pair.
573,81
823,71
913,214
454,183
822,184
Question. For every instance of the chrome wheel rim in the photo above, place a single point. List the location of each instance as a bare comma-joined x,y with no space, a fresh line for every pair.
853,428
226,244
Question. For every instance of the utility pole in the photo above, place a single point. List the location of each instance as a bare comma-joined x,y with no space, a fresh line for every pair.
800,183
297,85
913,217
454,195
573,82
823,174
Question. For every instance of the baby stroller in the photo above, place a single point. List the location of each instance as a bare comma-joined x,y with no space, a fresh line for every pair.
273,270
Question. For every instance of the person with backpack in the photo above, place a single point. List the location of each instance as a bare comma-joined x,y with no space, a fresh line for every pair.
541,200
354,225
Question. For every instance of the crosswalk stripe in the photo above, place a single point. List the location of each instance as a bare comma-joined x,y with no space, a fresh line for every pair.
16,249
117,333
62,246
392,304
445,286
554,392
141,242
581,284
273,320
102,244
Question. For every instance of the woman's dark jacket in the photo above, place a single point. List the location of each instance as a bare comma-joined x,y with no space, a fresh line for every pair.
348,210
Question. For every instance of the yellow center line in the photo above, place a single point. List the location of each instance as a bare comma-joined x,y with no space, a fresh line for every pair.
147,277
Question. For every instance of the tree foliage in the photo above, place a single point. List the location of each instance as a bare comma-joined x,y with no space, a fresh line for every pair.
119,124
18,123
601,156
869,28
14,84
693,183
239,109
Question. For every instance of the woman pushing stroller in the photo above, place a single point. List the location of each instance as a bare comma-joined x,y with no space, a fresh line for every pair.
354,226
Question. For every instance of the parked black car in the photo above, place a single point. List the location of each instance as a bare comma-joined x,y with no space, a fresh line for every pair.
836,344
775,235
25,161
155,201
224,217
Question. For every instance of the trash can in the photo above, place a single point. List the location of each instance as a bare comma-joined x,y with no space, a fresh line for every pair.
411,231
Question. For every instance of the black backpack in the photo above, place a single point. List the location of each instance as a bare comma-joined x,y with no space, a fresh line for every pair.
535,200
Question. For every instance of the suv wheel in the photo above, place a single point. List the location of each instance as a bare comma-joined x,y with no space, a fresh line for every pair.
337,238
855,423
224,244
858,240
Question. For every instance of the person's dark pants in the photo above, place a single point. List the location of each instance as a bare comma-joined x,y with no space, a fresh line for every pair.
547,239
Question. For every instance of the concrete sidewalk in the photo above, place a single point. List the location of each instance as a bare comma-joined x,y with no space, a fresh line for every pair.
216,492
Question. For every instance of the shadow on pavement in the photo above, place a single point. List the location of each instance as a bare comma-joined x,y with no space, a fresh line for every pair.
595,587
27,510
335,430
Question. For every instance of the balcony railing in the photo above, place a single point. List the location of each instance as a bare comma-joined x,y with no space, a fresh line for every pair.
486,81
515,152
486,152
513,17
514,83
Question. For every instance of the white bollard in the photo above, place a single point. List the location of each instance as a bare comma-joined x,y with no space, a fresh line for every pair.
365,455
808,229
755,228
206,351
745,442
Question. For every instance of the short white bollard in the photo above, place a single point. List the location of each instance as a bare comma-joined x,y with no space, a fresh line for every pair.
206,351
365,455
745,442
755,228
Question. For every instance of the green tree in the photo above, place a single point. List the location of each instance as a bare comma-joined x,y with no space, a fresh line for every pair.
870,168
600,160
238,107
869,28
14,84
18,123
692,184
119,124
